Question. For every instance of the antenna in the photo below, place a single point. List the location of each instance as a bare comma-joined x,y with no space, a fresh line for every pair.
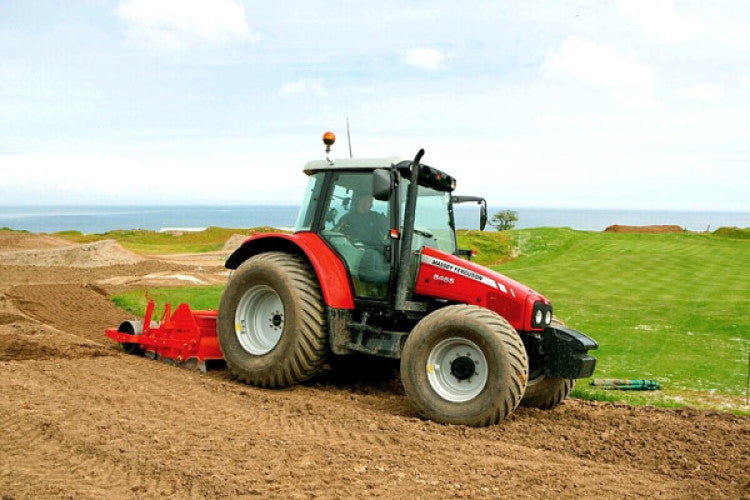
349,137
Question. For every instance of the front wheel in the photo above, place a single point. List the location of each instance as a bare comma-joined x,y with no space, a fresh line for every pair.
465,365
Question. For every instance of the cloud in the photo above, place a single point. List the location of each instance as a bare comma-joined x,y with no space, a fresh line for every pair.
176,24
424,58
599,64
637,100
304,86
701,92
660,20
80,179
746,80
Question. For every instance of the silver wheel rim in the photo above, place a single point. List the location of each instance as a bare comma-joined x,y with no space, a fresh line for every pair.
442,369
259,320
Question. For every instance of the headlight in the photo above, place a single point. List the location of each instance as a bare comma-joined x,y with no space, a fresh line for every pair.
541,315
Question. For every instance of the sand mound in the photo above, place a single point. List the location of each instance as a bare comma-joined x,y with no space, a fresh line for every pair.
13,240
98,254
235,241
644,229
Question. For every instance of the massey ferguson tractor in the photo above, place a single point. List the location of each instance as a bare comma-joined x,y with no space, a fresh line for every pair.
373,268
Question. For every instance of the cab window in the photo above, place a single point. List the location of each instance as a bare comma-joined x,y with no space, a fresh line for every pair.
356,225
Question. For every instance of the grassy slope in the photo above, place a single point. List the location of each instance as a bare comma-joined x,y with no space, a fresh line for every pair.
671,307
153,242
492,247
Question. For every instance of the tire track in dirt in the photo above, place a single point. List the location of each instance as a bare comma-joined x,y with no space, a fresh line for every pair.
66,465
81,310
25,339
166,430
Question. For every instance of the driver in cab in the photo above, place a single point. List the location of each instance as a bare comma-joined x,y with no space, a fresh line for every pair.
362,224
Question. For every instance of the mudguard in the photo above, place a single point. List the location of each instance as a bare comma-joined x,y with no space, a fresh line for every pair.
331,273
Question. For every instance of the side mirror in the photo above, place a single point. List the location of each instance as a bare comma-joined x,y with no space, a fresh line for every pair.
382,184
479,201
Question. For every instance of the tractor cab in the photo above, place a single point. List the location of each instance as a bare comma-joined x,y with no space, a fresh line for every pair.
358,207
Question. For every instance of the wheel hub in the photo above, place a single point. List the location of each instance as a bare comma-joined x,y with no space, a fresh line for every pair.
457,369
463,367
259,319
276,320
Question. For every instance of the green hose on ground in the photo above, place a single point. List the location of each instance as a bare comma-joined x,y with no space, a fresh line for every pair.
626,385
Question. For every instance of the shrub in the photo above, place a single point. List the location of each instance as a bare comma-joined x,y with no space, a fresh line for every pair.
504,220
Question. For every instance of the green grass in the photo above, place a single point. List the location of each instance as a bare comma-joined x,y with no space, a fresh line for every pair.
669,307
733,232
153,242
200,297
492,247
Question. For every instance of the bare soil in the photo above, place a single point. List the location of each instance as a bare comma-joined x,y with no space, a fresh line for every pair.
235,241
14,240
79,418
97,254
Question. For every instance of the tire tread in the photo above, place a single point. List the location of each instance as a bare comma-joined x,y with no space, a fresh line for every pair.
511,344
311,345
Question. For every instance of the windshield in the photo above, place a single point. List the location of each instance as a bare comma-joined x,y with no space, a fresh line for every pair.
432,224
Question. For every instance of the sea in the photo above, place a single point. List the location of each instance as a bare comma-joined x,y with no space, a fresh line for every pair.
89,219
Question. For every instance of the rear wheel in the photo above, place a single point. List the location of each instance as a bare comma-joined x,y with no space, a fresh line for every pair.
545,392
271,324
464,365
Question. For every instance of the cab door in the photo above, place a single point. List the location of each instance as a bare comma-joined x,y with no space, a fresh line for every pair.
356,226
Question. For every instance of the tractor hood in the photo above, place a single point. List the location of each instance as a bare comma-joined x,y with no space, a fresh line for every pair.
446,276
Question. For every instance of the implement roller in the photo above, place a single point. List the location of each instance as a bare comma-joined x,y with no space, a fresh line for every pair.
184,337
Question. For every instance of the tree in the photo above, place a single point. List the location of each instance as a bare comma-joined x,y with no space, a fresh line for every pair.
504,220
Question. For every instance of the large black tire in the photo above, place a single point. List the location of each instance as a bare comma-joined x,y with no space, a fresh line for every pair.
302,347
492,341
545,392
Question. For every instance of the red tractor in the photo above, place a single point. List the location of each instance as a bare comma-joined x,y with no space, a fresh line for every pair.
373,267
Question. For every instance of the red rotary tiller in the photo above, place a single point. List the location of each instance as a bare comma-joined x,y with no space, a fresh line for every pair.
184,337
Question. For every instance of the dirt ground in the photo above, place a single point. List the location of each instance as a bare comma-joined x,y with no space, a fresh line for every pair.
79,418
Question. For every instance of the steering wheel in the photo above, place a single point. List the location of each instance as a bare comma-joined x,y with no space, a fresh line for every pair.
423,232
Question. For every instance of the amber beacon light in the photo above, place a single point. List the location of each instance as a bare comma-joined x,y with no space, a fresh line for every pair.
328,139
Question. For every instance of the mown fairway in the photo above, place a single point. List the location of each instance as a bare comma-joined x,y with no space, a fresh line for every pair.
670,307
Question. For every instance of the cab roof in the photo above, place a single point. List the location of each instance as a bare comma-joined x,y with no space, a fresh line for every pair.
352,164
428,176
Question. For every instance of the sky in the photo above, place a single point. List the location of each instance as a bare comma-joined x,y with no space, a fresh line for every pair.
629,104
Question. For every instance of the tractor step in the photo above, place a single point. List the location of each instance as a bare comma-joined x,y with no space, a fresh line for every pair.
185,337
376,341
